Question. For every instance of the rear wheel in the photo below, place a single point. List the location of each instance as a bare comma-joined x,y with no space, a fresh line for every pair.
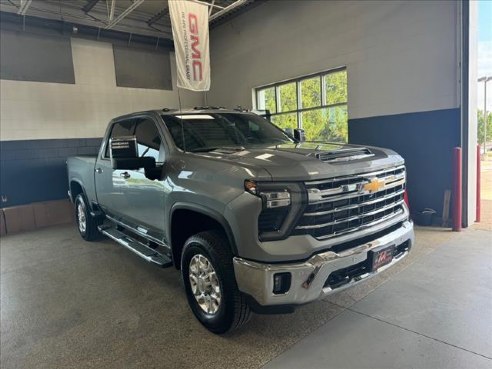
211,288
86,224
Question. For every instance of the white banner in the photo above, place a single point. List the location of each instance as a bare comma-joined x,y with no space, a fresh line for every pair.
191,44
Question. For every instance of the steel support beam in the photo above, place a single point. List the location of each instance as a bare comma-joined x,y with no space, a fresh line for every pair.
155,18
120,17
212,5
229,8
24,5
111,10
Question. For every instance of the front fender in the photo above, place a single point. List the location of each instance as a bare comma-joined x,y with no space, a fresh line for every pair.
209,212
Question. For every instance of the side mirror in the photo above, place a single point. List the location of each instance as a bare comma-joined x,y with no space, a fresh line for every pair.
124,154
299,135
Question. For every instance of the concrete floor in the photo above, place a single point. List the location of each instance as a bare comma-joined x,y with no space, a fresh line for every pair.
66,303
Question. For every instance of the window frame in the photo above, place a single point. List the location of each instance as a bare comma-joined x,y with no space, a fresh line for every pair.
105,149
320,75
155,120
162,145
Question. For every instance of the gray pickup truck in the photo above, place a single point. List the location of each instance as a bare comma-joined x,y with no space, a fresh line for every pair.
256,220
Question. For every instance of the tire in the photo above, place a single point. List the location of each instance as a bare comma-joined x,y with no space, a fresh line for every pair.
232,311
86,224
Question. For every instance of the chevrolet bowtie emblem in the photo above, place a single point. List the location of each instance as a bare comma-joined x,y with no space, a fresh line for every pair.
374,185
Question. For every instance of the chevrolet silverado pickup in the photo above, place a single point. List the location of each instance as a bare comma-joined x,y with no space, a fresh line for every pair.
255,219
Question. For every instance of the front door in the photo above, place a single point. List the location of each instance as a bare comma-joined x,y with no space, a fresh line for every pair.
145,197
128,195
110,183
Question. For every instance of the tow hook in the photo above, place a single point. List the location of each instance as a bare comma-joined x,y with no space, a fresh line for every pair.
311,277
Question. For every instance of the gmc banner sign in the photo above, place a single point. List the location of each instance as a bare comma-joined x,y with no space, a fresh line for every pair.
190,32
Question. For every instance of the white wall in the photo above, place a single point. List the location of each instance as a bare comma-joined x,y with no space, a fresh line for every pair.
37,110
400,56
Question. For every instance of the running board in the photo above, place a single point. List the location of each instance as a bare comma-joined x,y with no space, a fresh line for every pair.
137,247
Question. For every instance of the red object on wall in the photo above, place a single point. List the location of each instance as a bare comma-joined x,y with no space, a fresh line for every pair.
477,217
457,190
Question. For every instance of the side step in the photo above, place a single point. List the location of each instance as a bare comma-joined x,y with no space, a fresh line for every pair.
137,247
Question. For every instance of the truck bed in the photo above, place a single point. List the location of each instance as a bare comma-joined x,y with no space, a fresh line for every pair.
81,170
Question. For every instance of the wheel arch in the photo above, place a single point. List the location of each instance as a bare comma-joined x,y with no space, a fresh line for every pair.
76,188
207,219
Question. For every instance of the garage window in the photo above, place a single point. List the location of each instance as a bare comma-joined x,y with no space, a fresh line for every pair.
317,103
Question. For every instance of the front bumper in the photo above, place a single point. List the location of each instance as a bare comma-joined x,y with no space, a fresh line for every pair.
309,277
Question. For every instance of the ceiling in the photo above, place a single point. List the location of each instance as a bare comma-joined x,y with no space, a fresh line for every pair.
142,17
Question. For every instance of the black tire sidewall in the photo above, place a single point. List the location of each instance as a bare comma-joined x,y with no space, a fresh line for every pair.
91,231
222,320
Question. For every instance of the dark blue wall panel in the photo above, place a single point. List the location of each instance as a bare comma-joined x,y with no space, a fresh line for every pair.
35,170
425,140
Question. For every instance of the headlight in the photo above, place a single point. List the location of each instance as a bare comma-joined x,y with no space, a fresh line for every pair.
283,204
276,199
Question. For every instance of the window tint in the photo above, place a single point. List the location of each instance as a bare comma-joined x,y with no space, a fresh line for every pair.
206,132
120,129
148,140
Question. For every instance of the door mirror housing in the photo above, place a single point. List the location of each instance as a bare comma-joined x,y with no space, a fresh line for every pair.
124,154
299,135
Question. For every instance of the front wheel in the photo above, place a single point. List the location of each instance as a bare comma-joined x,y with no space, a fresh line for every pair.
211,288
85,222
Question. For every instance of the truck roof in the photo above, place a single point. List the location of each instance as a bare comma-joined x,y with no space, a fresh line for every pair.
195,110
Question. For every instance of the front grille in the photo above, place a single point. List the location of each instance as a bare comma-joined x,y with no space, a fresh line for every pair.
347,204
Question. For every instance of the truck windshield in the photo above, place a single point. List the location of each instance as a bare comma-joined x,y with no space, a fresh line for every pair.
207,132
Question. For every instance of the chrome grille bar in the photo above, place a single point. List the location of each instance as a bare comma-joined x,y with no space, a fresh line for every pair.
362,216
316,196
364,226
349,207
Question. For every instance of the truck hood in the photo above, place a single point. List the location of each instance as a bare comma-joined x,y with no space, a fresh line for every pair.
309,160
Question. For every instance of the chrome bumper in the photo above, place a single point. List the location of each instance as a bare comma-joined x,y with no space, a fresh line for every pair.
309,277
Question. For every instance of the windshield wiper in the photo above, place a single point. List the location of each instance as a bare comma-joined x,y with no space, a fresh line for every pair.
223,148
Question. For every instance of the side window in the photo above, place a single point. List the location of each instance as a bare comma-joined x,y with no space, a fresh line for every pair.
122,128
149,140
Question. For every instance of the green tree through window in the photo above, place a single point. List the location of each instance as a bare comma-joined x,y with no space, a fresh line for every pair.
316,103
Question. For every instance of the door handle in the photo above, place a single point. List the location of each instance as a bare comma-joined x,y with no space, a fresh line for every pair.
125,175
98,170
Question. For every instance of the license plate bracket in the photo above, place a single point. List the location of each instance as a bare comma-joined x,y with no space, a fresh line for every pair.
381,256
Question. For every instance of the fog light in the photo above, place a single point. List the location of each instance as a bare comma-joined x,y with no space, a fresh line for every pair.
281,283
